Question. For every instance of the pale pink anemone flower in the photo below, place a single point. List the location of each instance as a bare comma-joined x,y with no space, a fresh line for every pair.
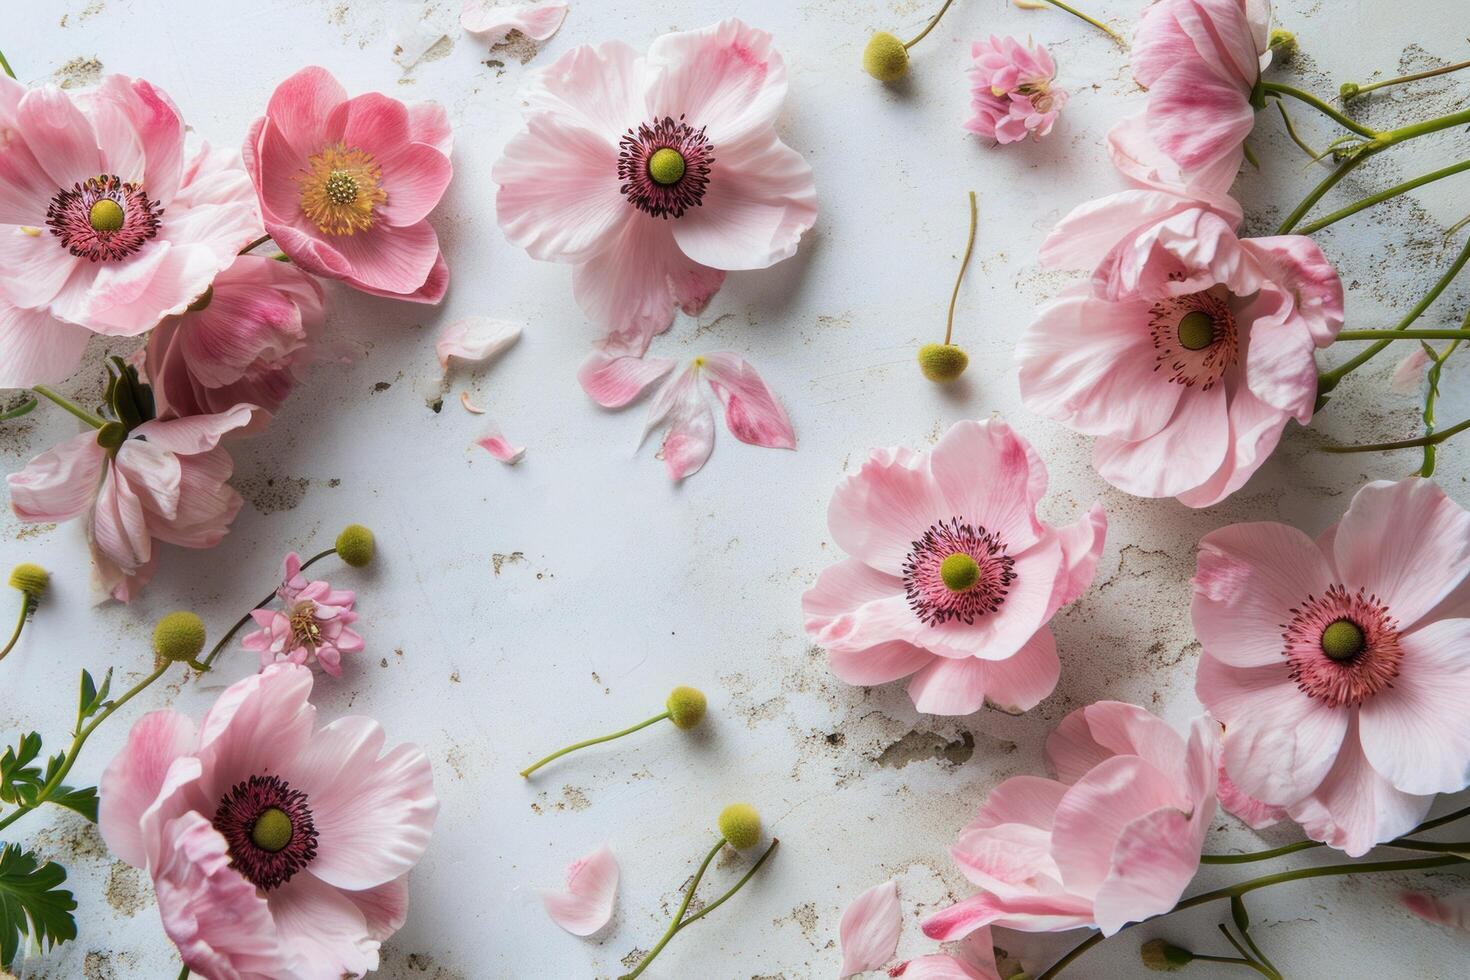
165,483
106,225
1200,61
1011,90
1114,839
276,848
952,577
313,624
346,185
1189,366
1340,667
654,175
248,340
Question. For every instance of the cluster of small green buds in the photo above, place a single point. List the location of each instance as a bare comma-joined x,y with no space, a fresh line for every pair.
355,546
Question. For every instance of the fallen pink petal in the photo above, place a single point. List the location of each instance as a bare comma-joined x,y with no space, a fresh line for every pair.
494,442
475,340
493,22
586,903
869,929
1450,910
469,406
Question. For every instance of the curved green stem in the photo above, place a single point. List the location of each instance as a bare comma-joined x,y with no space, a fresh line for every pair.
1318,192
526,772
25,608
1245,957
964,264
735,888
1382,196
70,406
6,65
184,972
1036,5
79,740
1382,447
1291,131
1404,335
679,915
24,408
1416,76
930,26
240,623
1320,106
1253,856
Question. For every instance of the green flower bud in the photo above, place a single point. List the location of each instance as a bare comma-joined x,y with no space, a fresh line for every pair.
179,636
1164,957
686,707
30,579
740,825
942,363
1348,91
885,57
1283,44
355,545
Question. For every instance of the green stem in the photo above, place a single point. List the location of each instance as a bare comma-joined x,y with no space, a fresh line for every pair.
1274,852
184,972
930,26
1392,137
1445,70
1291,131
1266,881
25,607
1245,933
1382,196
1091,20
1320,106
255,244
1245,957
679,915
526,772
24,408
1318,192
1330,379
1437,822
240,623
6,65
964,264
737,886
1434,334
1383,447
70,406
79,740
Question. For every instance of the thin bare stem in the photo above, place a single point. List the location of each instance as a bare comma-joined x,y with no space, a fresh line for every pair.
964,264
930,26
1402,79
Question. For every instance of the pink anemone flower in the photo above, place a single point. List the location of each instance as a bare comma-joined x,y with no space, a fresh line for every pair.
1011,90
952,577
654,175
1340,667
313,625
1200,61
246,341
277,848
165,482
105,225
1188,379
346,185
1114,839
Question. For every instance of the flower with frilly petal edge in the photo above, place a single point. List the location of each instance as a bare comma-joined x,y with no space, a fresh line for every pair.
346,184
1340,667
952,577
1011,90
1114,839
313,625
655,174
276,848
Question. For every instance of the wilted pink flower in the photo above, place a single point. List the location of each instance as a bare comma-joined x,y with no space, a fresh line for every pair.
1114,839
952,578
313,624
1200,61
105,224
246,341
346,185
586,904
1011,90
655,174
1340,667
1189,375
276,848
166,482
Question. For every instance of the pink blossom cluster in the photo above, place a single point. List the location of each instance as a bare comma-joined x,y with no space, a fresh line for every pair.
109,225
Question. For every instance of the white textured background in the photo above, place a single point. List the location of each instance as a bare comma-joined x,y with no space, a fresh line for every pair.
514,610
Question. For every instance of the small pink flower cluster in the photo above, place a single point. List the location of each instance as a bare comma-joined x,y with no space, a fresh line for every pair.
1012,92
313,624
108,226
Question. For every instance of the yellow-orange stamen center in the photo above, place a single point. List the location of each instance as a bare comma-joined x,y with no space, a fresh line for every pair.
340,188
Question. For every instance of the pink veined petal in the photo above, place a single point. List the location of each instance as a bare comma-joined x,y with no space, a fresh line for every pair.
1451,910
1082,545
301,106
429,123
385,907
1054,912
613,381
394,260
493,22
201,433
1190,248
59,135
1244,807
939,966
36,272
1281,367
585,905
983,470
840,591
1023,680
323,932
761,199
1299,266
752,413
475,339
1023,800
131,782
868,932
159,128
691,425
493,441
1141,162
601,88
415,176
877,664
1178,458
1153,861
1279,743
61,483
1248,578
1409,375
1355,808
1415,732
1197,117
256,721
1255,430
727,77
1406,542
949,686
877,513
1090,736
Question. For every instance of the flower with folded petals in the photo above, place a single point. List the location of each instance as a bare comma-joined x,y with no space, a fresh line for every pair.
346,184
106,224
247,340
1114,839
162,481
276,848
313,625
653,175
952,577
1200,61
1011,90
1189,373
1340,667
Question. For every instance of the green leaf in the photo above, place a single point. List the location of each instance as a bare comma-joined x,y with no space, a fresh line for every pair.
92,699
1239,914
83,801
19,780
31,904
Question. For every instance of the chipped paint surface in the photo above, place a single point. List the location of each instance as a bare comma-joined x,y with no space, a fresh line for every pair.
569,594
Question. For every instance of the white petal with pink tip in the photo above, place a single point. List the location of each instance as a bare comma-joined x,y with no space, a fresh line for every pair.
586,904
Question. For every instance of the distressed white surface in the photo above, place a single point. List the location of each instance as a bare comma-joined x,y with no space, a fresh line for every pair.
619,585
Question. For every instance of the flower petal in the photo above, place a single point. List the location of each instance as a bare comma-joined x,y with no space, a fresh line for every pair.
1416,732
613,381
493,441
1181,456
869,929
1451,910
752,413
586,905
728,78
61,483
691,425
323,932
557,191
131,782
493,22
475,339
